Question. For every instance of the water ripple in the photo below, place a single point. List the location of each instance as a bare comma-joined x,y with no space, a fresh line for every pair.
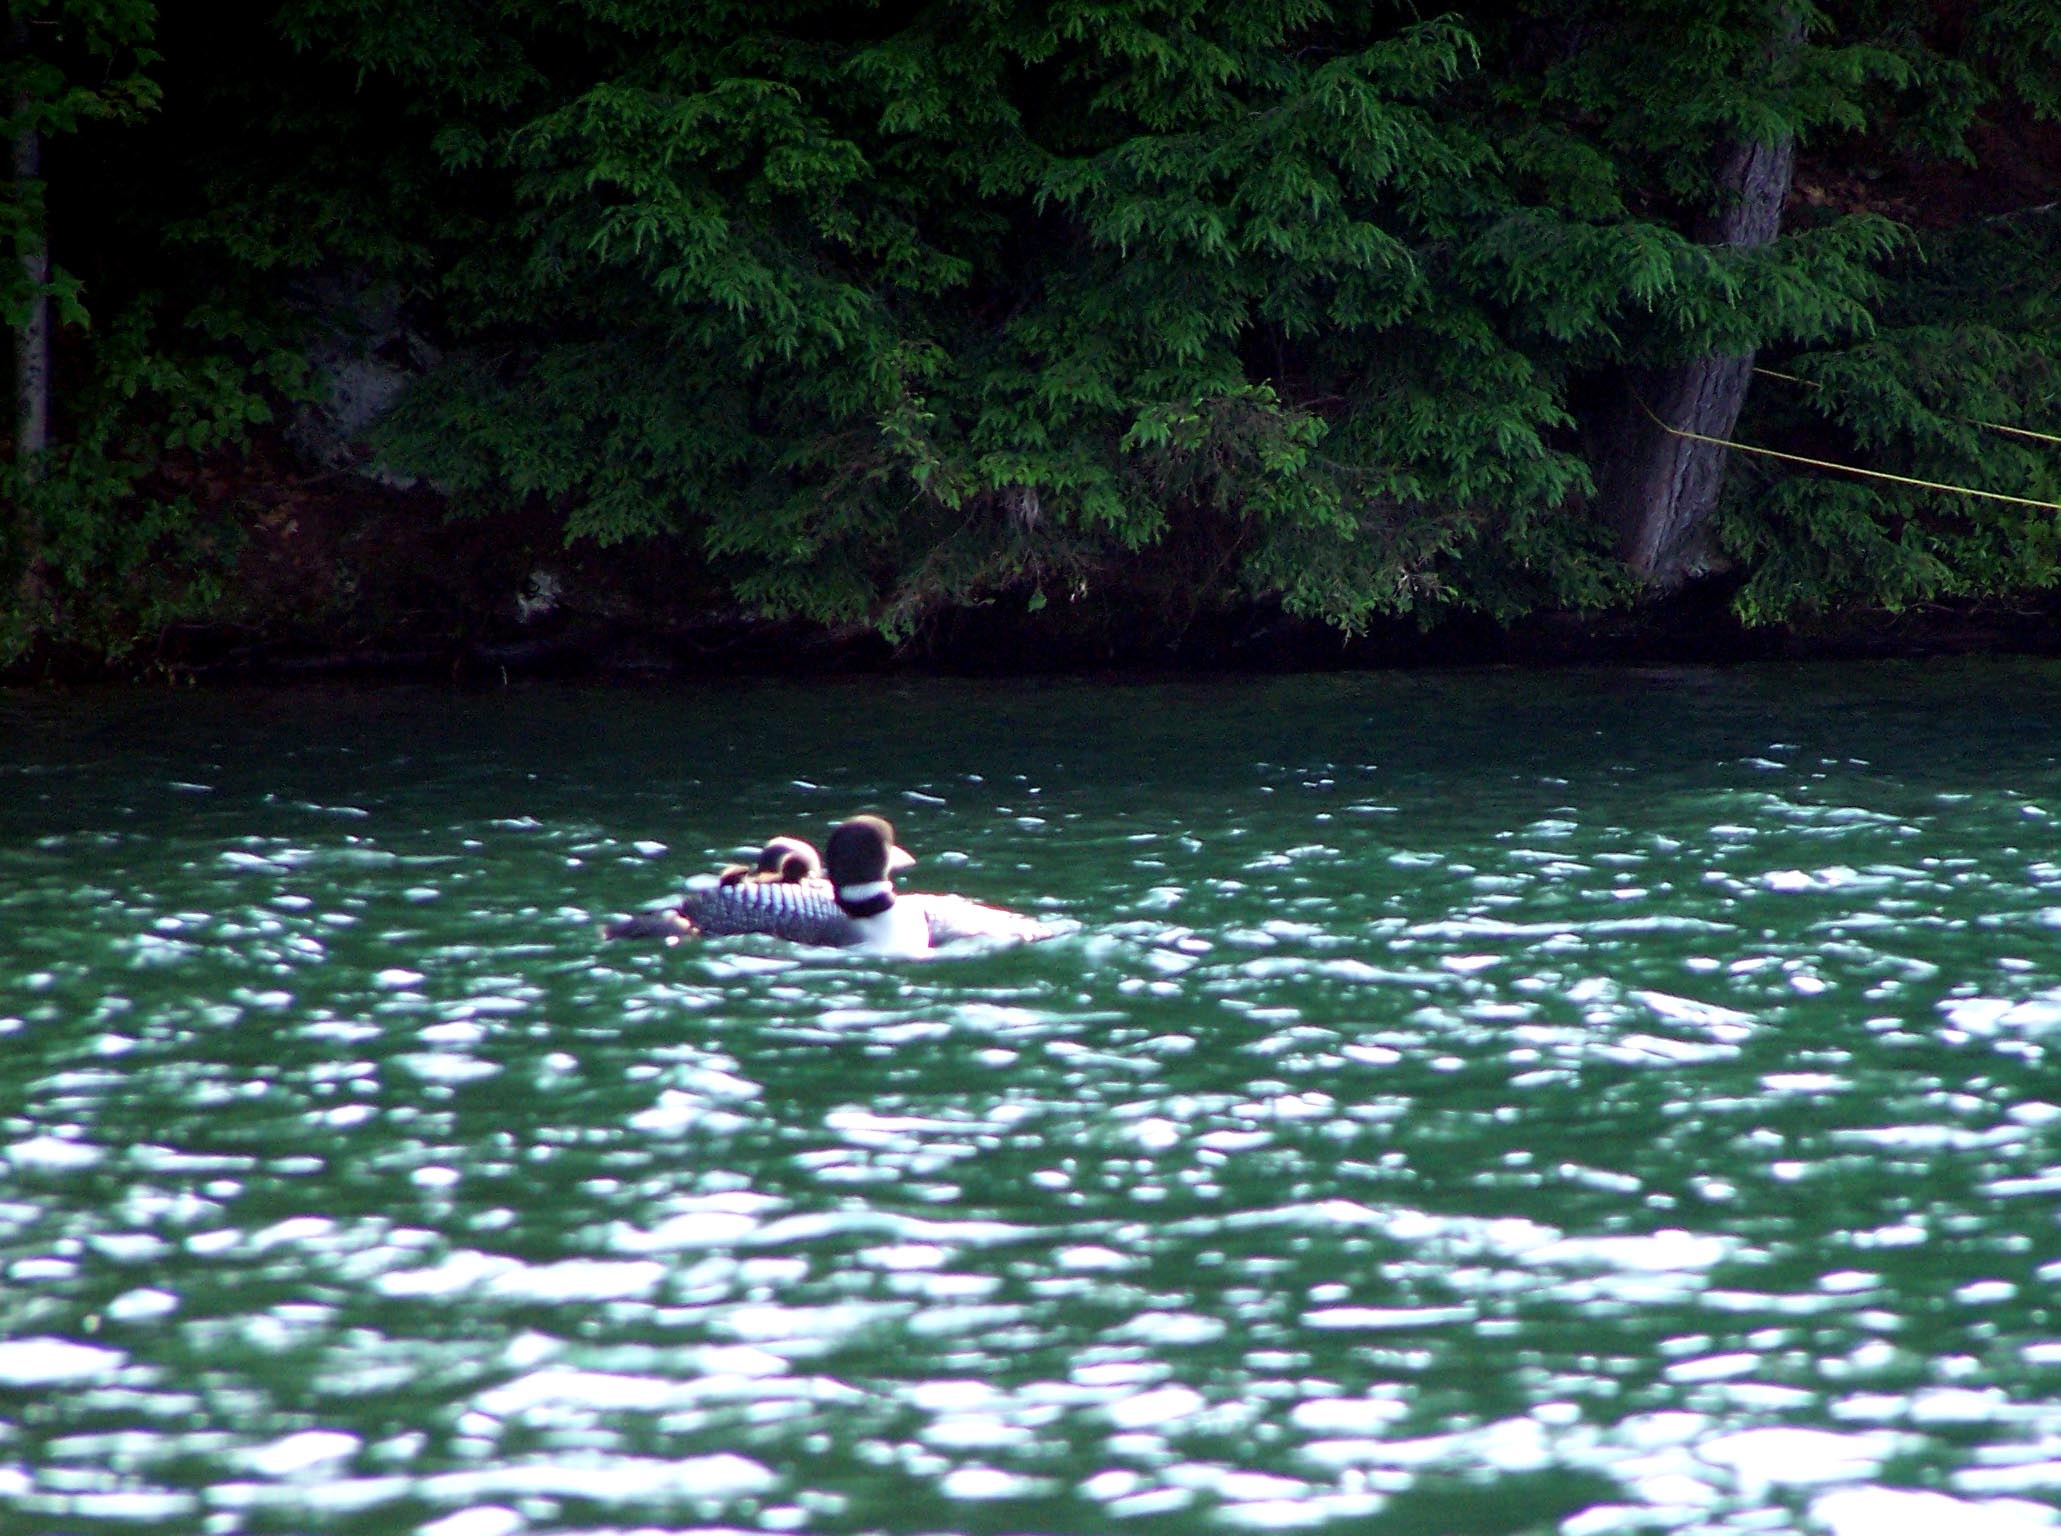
1548,1103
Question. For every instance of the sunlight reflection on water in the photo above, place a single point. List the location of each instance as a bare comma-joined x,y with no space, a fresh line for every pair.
1472,1102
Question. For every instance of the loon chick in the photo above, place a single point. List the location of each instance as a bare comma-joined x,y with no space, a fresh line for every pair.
783,861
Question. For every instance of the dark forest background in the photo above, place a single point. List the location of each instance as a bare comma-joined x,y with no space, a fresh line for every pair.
394,326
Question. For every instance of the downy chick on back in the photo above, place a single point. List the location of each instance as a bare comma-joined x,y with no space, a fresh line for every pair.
783,861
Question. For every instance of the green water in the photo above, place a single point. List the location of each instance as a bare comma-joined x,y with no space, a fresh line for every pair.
1586,1103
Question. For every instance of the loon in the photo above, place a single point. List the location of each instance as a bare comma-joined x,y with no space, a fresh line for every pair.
856,907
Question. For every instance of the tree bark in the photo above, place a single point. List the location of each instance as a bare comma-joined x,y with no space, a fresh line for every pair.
32,335
1659,489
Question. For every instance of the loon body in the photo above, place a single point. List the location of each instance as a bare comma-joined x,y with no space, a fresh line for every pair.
805,911
855,907
808,913
953,919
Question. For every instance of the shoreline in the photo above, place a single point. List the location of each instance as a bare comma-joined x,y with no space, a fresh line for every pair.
1694,627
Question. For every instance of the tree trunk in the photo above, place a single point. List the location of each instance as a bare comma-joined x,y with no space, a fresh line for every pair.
1660,489
32,335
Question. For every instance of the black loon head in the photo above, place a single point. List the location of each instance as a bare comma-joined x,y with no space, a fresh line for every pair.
862,858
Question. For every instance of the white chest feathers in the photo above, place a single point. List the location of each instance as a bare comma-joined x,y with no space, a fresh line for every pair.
900,930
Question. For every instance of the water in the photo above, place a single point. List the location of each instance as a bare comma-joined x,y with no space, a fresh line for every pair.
1582,1103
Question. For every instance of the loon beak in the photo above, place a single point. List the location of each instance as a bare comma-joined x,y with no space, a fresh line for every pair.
898,858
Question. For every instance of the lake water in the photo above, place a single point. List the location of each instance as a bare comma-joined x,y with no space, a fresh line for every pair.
1579,1103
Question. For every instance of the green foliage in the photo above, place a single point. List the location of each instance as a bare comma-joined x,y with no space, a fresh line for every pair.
74,60
889,355
884,308
67,63
1968,349
124,544
2020,42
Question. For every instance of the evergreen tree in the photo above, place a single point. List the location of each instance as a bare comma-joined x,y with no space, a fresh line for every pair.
878,309
64,63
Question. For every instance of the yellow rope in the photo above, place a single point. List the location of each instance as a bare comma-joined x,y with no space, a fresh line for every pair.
1993,426
1847,469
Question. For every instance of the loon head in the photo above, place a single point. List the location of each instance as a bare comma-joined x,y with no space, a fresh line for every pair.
862,857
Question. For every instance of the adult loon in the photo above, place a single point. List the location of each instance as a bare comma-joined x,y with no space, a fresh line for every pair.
856,907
